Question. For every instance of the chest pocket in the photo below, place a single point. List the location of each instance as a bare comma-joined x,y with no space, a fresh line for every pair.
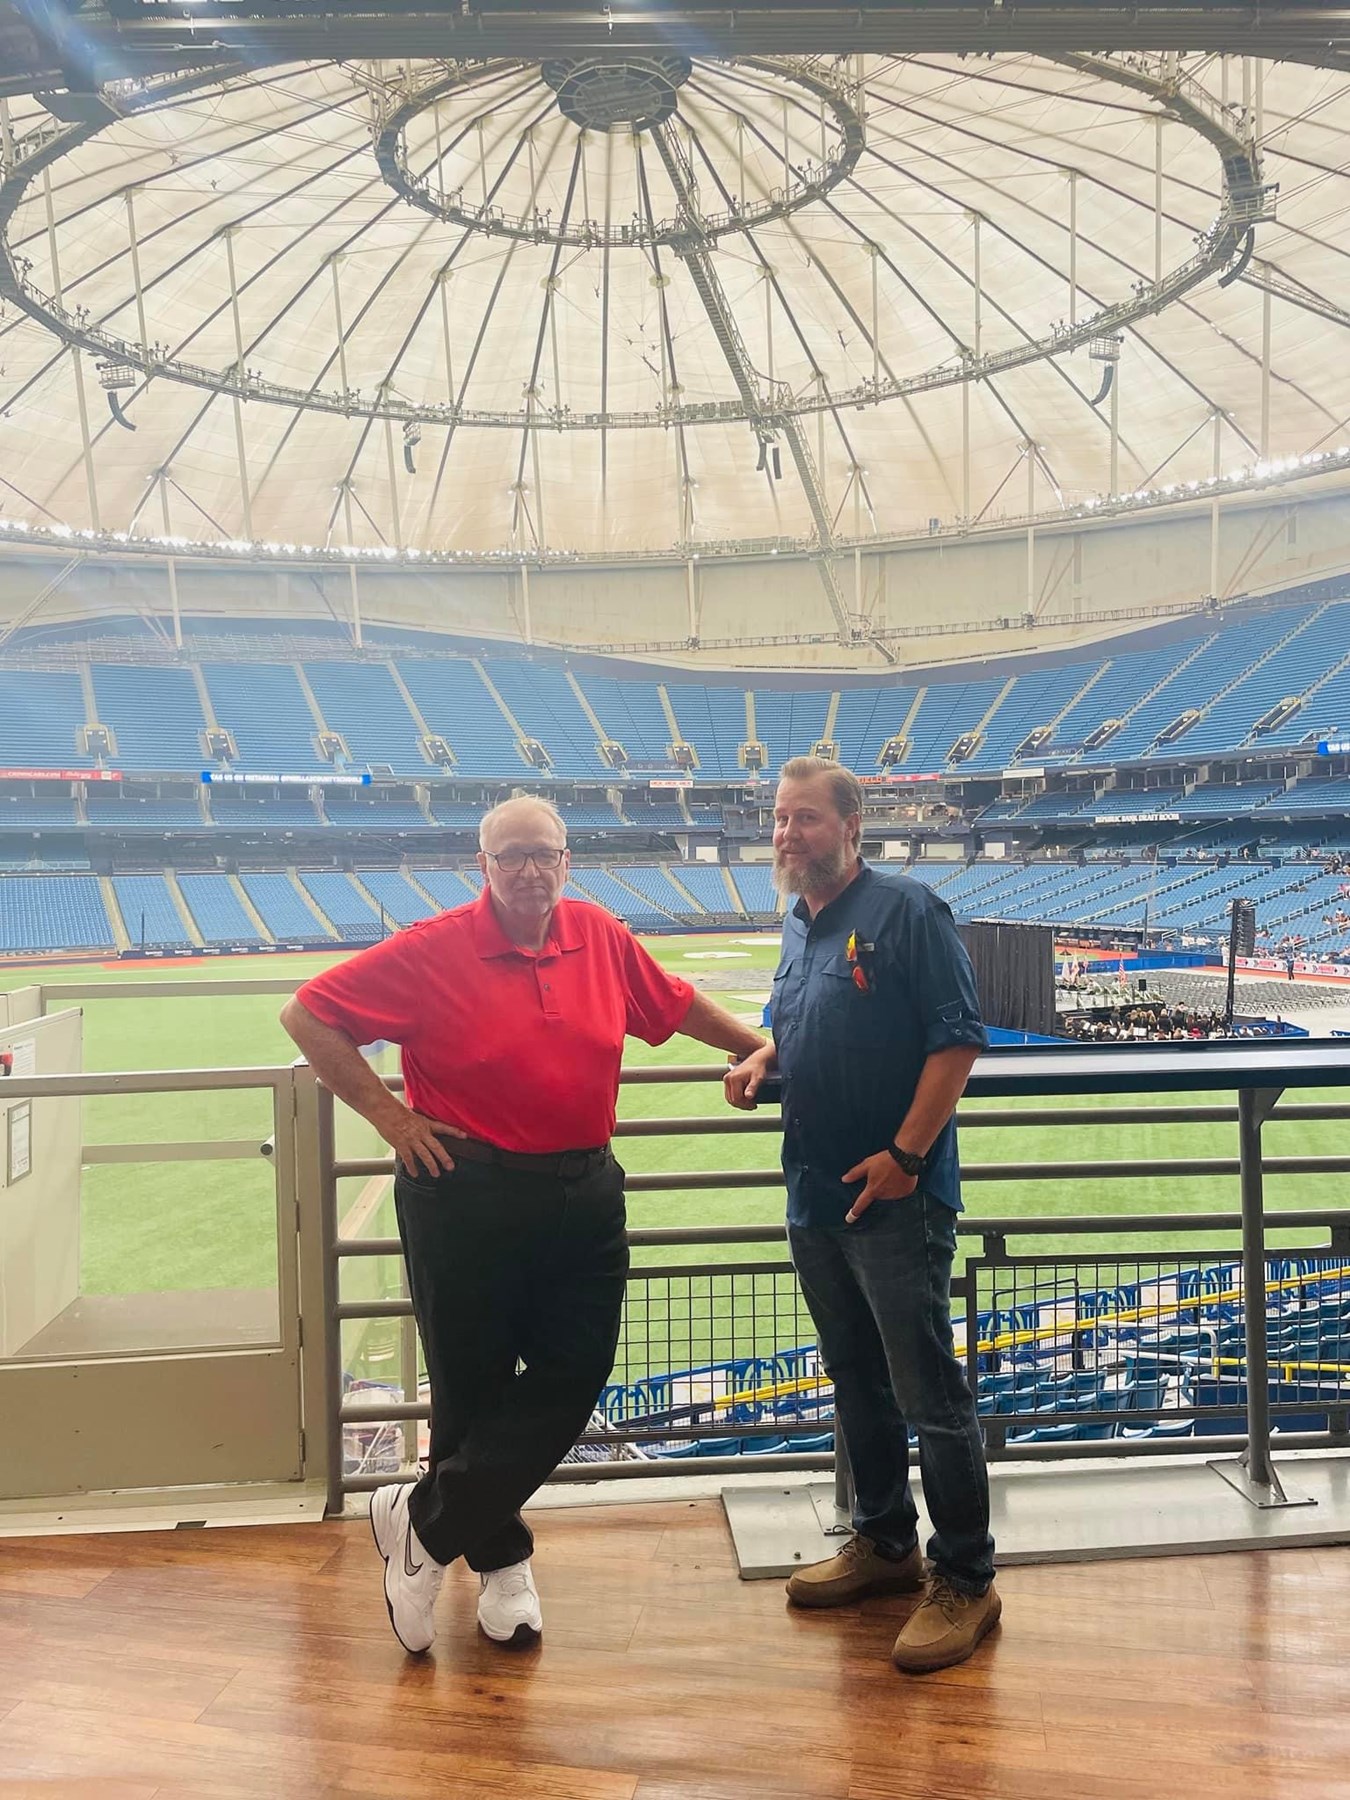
782,990
864,1016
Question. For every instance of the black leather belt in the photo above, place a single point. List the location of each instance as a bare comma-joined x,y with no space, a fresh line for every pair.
567,1165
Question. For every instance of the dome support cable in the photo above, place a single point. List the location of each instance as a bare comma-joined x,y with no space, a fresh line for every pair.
692,249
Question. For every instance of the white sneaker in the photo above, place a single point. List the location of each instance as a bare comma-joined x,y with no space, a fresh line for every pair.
508,1606
412,1579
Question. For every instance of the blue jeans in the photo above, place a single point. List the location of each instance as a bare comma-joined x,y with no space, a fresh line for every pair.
880,1295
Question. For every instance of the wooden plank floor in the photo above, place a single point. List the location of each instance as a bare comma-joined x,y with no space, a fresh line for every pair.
224,1665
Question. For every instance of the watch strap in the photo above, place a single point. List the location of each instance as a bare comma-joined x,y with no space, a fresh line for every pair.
909,1160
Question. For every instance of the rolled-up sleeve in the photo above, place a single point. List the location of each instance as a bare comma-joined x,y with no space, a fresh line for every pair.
375,995
655,1000
947,1000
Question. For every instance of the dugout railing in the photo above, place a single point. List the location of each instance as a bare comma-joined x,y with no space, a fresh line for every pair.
1126,1351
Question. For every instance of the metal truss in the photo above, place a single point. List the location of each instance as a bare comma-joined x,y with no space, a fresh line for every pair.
691,245
139,38
1245,202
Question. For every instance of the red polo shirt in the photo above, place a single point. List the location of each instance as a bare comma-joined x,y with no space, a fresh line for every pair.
519,1048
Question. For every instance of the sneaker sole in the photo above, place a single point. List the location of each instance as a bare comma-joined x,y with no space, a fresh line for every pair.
950,1662
524,1637
814,1598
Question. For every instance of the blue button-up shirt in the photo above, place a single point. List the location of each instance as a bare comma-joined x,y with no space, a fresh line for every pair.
850,1059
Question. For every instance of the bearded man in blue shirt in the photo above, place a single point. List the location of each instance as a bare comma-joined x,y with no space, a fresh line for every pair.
876,1025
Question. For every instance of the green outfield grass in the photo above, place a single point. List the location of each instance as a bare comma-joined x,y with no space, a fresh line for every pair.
206,1225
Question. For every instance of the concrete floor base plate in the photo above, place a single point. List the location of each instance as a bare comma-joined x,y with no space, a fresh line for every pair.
1076,1515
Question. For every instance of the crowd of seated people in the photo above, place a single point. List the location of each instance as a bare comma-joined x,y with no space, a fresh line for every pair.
1150,1024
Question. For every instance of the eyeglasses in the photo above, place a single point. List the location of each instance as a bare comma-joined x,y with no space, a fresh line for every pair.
511,862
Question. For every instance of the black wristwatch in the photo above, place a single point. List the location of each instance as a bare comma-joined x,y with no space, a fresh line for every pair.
909,1160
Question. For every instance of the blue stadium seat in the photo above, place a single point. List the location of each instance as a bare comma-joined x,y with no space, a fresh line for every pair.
345,907
265,708
282,910
458,707
41,713
754,883
53,912
217,909
400,900
155,715
448,887
363,702
148,912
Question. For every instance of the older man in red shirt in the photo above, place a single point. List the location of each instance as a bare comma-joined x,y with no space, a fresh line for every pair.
511,1012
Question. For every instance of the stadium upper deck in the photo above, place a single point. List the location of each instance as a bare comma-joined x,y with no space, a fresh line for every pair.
1268,681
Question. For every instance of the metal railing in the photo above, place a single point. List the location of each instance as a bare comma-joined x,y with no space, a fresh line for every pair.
1074,1335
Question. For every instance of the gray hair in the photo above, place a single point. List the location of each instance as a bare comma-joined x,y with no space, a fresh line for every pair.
516,801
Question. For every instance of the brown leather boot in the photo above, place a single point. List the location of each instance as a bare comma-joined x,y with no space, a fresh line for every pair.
944,1628
859,1570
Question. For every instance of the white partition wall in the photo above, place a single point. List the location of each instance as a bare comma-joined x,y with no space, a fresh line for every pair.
40,1142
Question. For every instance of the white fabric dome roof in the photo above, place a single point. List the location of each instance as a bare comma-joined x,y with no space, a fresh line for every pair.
566,322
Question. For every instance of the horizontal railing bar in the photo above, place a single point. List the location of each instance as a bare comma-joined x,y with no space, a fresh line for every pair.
643,1237
1002,1118
806,1461
657,1467
1006,1118
372,1413
636,1430
142,1081
1144,1068
1088,1225
700,1126
1169,1166
642,1469
671,1074
385,1246
704,1180
738,1125
220,1150
163,990
1218,1445
684,1271
967,1225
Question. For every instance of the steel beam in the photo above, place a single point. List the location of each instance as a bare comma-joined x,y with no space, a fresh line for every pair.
692,249
145,43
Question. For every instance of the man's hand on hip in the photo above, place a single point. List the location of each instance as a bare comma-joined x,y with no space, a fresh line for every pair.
882,1179
416,1141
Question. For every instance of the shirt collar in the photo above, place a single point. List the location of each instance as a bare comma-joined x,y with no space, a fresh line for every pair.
490,940
803,912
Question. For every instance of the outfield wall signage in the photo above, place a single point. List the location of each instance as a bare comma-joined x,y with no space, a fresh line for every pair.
1334,747
1278,965
216,779
60,774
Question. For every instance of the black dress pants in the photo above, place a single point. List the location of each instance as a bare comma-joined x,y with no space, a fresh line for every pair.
517,1284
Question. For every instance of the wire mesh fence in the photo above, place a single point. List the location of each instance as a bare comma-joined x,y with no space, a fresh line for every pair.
722,1360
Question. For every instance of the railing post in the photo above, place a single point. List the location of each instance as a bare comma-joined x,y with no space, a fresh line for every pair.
320,1352
332,1326
1254,1106
1253,1475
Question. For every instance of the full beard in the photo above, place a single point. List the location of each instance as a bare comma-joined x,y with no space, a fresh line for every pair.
816,875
